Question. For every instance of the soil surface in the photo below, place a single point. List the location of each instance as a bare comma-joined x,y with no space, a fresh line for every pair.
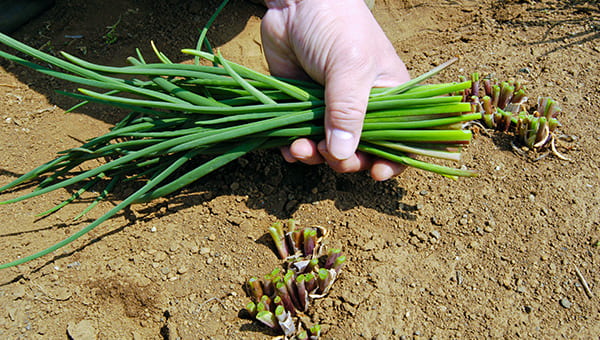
489,257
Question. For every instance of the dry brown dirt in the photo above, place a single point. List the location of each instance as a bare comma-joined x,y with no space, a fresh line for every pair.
428,257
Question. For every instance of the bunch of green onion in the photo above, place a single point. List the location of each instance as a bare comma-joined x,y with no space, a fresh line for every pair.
180,112
502,107
278,298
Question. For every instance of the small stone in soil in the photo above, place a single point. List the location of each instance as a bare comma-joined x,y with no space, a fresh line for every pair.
565,303
85,329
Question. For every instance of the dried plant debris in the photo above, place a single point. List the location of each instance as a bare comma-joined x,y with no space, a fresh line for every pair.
503,108
283,294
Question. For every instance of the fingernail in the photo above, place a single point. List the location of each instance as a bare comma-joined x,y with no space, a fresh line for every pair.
341,144
385,174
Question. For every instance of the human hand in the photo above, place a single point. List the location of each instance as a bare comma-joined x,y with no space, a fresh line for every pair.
339,44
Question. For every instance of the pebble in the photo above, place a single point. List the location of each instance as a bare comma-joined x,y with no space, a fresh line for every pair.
212,237
214,308
435,234
488,229
204,251
419,235
565,303
182,270
160,256
75,264
19,292
84,330
153,230
436,221
525,70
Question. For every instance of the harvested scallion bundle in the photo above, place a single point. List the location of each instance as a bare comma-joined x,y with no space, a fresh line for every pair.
180,112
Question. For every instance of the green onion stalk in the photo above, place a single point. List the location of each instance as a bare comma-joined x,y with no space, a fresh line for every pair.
290,280
266,302
312,265
279,240
268,319
302,293
315,332
179,113
302,336
284,318
310,282
331,257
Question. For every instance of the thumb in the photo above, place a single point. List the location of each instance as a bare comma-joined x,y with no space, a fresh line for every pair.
346,99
